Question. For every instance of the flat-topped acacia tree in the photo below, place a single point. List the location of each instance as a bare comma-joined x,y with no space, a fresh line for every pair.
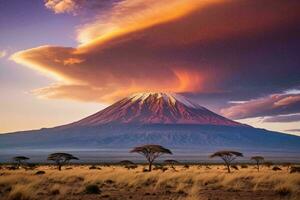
126,162
151,152
61,158
171,163
258,160
20,160
227,157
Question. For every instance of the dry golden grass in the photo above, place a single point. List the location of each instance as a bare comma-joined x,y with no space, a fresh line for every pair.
193,183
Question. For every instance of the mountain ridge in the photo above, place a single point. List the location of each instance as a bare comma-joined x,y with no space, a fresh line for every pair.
155,118
155,108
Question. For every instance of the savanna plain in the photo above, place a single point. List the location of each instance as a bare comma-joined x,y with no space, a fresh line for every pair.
194,181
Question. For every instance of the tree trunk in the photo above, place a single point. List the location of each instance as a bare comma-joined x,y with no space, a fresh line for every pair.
257,167
228,168
59,167
150,166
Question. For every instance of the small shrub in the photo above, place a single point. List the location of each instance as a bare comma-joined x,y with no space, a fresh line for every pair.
181,192
55,192
108,181
234,167
92,189
295,169
131,167
11,168
283,191
145,170
244,166
186,166
40,172
276,168
164,169
93,167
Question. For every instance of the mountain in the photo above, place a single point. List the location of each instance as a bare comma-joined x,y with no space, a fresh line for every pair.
155,108
159,118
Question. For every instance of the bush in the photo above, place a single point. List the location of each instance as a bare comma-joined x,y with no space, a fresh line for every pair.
276,168
145,170
234,167
40,172
131,167
55,192
92,189
108,181
93,167
283,191
295,169
244,166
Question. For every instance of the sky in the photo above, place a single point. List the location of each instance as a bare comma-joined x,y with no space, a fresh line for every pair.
61,60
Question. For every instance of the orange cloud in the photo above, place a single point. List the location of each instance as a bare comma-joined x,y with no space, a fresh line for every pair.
132,15
138,45
189,81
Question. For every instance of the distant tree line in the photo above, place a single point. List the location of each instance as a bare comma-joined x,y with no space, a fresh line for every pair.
151,152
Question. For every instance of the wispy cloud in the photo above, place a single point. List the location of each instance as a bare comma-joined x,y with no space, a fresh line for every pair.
283,118
2,54
277,104
77,6
293,130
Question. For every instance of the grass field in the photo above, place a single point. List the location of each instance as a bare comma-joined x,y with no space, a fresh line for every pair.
116,182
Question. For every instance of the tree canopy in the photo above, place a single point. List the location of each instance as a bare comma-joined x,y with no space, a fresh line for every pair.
258,160
227,157
227,153
171,162
151,152
20,158
61,158
126,162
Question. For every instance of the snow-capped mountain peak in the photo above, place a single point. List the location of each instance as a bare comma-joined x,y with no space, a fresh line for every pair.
169,97
155,108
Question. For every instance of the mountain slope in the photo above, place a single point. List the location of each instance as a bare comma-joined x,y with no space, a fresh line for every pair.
166,119
155,108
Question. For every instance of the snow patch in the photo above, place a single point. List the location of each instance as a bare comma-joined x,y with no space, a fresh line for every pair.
170,97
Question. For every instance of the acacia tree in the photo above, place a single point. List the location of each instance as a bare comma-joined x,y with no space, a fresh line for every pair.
20,160
126,162
61,158
227,157
151,152
171,163
258,160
